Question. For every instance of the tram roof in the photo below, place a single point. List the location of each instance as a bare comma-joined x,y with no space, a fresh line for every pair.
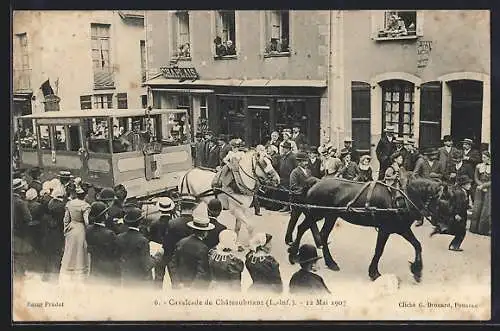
102,113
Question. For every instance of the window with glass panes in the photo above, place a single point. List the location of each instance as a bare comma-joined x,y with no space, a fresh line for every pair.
121,99
103,101
397,106
86,102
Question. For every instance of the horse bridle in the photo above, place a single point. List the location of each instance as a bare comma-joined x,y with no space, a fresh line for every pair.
257,180
425,205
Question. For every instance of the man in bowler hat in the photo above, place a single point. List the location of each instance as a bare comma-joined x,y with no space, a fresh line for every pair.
136,262
385,148
306,281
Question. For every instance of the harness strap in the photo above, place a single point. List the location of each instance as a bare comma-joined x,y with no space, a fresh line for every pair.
350,203
370,193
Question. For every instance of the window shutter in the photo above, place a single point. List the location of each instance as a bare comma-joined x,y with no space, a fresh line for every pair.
430,114
360,113
377,22
420,23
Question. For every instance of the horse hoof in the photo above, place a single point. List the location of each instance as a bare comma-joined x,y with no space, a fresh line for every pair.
374,276
417,277
333,267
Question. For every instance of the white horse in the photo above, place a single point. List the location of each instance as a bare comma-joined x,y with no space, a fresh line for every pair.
252,166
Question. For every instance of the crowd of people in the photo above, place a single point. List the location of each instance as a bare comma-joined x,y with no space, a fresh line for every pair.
70,236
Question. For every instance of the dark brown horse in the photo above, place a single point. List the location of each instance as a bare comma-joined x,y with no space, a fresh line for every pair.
424,197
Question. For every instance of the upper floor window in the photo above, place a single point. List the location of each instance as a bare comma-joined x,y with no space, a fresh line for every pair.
277,31
142,46
225,40
103,101
181,35
397,24
121,100
23,51
101,55
398,106
86,102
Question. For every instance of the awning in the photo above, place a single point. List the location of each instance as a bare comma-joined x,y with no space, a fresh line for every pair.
183,90
238,83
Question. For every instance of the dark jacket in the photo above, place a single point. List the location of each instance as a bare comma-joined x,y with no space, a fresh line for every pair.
425,170
176,230
135,260
384,150
189,264
410,160
300,140
208,147
454,173
22,220
275,143
474,157
213,158
300,182
158,229
199,153
315,167
225,269
365,175
307,282
354,155
116,212
212,238
287,164
223,150
102,245
446,159
349,171
265,273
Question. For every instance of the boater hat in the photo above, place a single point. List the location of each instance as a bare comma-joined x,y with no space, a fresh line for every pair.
467,141
390,128
202,224
188,201
65,174
308,253
165,204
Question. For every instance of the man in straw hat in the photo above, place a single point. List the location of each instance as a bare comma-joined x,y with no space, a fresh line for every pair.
177,228
21,247
189,264
385,148
135,259
348,146
472,156
412,155
306,281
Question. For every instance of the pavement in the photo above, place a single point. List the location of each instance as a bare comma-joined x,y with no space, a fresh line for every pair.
454,285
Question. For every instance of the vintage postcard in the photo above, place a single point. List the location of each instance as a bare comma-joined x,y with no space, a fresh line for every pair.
218,165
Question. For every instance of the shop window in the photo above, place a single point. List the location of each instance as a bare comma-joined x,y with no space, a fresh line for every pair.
225,40
181,38
86,102
103,101
360,108
277,32
121,99
45,141
292,112
232,117
397,106
60,138
397,24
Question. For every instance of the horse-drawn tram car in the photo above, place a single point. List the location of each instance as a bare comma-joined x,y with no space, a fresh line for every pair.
146,150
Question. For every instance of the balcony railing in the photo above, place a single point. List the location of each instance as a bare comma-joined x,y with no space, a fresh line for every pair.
104,78
22,80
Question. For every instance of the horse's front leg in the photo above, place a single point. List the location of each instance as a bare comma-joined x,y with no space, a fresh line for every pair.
416,266
301,229
241,218
325,233
382,237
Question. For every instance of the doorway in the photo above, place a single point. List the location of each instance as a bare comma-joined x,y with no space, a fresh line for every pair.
260,126
466,110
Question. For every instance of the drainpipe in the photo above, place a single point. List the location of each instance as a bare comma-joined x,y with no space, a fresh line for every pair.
330,75
149,92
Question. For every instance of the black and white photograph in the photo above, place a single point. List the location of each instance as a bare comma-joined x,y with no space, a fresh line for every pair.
250,165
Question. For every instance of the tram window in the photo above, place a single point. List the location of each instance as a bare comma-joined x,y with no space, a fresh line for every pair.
26,138
45,137
60,138
176,130
74,138
97,134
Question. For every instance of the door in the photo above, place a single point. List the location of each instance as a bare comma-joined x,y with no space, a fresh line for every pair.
466,110
260,128
430,114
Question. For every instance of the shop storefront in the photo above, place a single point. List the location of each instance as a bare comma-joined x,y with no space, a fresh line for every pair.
248,109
